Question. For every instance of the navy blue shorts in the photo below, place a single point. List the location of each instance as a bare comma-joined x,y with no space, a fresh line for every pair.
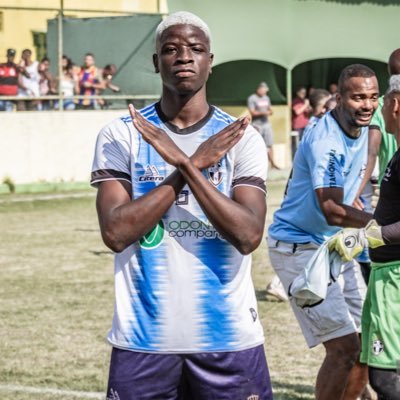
240,375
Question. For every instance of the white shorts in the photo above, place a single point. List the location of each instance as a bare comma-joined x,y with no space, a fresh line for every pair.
340,313
265,130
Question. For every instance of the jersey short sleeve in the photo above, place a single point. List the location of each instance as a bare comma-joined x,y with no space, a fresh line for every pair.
326,164
251,164
112,159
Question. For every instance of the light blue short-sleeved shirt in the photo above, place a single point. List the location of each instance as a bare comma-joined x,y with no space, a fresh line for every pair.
326,158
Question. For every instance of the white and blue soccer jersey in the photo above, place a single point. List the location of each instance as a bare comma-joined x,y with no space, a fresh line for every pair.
326,158
182,287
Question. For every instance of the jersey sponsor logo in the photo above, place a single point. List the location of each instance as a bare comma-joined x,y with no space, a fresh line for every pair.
151,174
215,174
331,168
377,347
154,238
194,228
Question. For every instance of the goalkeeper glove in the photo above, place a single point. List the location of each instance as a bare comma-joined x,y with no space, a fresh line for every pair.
373,234
350,242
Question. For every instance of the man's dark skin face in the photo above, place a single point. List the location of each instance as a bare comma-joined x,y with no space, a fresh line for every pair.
357,103
26,55
183,59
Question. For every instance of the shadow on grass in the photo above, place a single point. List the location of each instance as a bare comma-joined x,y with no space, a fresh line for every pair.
261,295
292,391
101,252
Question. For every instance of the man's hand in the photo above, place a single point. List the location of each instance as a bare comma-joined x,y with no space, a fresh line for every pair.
375,197
158,138
207,154
216,146
358,204
373,234
349,242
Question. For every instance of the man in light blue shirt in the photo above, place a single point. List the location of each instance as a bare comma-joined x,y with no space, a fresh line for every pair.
327,171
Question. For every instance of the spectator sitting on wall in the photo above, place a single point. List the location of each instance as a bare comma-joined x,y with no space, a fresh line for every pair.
67,83
107,74
90,81
9,73
46,84
28,84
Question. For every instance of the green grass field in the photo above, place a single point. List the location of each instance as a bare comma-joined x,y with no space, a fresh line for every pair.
56,303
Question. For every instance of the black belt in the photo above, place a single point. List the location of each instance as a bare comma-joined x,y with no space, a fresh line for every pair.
292,245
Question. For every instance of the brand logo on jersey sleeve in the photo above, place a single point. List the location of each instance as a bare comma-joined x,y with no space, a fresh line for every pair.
113,395
151,174
215,174
154,238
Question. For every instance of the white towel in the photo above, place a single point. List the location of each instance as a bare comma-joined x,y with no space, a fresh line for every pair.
311,285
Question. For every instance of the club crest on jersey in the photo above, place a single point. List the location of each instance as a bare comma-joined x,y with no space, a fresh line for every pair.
377,347
151,174
215,174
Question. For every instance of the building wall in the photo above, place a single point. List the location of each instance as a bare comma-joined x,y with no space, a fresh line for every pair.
58,146
50,146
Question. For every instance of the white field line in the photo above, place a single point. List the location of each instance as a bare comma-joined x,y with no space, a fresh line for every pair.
60,392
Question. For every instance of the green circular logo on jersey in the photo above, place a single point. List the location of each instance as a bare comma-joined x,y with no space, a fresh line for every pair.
154,238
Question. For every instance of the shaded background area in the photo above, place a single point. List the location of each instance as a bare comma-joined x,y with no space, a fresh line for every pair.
231,83
320,73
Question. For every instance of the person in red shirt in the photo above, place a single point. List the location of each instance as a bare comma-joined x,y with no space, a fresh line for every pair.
9,73
301,110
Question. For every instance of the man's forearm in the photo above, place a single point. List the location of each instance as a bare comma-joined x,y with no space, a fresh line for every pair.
129,222
368,173
391,233
347,217
236,223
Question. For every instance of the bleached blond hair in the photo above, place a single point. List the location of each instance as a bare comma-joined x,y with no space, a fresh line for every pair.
182,18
